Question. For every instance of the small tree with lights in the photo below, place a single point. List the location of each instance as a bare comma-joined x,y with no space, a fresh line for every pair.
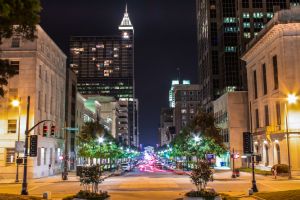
200,176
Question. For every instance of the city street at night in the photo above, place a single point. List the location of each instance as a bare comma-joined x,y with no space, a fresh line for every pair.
149,100
157,184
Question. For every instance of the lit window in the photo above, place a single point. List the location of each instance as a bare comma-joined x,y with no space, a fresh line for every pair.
11,126
100,46
229,19
125,35
246,15
270,15
183,111
246,24
10,155
230,49
247,35
93,49
258,15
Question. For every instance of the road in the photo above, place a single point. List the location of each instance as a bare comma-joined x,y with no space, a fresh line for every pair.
146,185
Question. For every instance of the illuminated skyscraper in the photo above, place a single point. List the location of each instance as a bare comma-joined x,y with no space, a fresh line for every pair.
225,27
105,66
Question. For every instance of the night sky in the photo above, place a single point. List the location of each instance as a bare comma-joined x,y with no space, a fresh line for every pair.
165,39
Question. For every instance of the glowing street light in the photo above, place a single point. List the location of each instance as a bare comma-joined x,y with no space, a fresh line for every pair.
15,103
197,138
292,98
100,140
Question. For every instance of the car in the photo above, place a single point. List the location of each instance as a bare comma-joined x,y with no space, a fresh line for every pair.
125,167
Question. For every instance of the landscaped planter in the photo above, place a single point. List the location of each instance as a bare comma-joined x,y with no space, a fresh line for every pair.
108,198
200,198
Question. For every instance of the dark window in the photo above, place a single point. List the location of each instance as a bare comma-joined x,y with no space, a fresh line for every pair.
15,65
267,122
245,3
275,71
278,154
278,114
15,42
255,84
257,4
257,118
267,155
215,62
265,78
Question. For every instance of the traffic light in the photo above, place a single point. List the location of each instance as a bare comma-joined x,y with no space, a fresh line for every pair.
45,130
52,131
247,143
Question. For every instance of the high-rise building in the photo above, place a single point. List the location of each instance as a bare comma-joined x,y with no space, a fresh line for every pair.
171,91
105,66
187,98
224,29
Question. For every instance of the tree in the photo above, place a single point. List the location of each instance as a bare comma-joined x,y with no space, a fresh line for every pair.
201,175
17,17
6,71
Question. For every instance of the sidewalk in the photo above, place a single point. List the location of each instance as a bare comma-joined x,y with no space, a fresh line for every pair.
52,179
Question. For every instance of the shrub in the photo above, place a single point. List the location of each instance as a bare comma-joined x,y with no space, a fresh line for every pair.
281,168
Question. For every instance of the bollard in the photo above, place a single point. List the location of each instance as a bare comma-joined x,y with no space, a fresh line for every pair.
47,195
250,192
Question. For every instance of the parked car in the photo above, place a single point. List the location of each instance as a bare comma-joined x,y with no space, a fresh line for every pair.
125,167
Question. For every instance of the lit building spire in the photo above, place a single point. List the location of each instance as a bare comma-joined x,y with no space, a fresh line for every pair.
126,23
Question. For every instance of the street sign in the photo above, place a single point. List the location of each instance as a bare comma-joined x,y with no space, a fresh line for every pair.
19,161
19,146
210,156
71,129
33,145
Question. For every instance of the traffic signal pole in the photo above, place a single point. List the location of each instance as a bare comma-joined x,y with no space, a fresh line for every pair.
24,190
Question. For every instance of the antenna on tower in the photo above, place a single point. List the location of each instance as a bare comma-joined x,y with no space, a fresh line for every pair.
178,70
126,8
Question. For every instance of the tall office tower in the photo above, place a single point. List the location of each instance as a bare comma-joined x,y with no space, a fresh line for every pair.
224,29
105,66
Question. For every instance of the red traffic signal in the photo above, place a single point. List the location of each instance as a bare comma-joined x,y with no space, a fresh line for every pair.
52,130
45,130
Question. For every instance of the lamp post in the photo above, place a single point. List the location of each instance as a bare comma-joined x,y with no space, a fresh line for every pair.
24,183
197,139
16,103
100,140
291,99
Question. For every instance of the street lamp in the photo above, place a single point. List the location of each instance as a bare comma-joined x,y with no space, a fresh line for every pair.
16,103
291,99
197,138
100,140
